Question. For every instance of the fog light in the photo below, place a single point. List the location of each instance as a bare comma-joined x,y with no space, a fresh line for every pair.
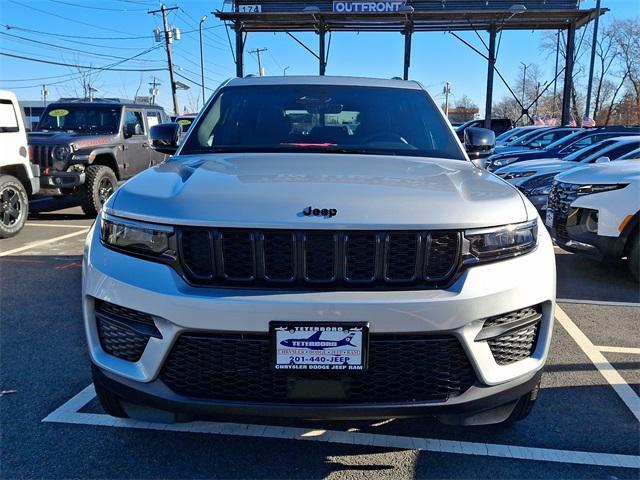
59,166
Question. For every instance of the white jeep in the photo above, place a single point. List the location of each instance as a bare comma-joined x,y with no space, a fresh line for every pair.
18,177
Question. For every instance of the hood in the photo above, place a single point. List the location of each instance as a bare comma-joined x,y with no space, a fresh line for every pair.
528,154
618,171
81,140
271,190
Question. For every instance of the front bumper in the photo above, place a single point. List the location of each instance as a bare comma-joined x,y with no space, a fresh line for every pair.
480,292
61,180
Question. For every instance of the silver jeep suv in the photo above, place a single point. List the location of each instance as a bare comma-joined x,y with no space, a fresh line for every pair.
318,247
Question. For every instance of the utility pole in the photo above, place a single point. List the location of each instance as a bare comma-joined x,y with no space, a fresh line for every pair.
167,40
202,20
555,77
44,95
447,91
524,84
593,58
153,91
257,51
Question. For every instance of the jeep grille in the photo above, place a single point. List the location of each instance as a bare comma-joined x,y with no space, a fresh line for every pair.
311,259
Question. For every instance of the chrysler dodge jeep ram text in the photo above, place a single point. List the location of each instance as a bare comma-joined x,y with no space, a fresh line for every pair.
318,247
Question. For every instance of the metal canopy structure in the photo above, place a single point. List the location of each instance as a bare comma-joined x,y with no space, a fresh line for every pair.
408,17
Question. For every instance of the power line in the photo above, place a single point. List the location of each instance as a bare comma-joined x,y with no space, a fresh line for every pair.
115,57
50,62
93,7
74,20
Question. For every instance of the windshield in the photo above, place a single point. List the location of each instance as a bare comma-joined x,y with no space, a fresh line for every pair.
564,141
529,137
634,155
323,118
80,118
585,152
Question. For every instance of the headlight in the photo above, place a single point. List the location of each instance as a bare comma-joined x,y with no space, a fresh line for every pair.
501,242
136,237
511,175
61,153
540,185
501,162
591,189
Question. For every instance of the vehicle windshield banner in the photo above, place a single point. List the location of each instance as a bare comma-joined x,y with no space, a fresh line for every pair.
354,6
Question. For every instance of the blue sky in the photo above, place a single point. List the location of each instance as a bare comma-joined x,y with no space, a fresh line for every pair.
437,57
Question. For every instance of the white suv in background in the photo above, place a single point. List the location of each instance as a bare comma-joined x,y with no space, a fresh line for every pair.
18,177
595,210
319,247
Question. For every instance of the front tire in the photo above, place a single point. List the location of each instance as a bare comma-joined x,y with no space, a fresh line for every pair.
100,183
634,257
110,403
14,206
524,406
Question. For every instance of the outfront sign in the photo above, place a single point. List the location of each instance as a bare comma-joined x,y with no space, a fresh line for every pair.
353,6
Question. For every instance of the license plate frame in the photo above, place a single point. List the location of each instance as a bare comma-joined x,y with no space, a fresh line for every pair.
549,218
352,337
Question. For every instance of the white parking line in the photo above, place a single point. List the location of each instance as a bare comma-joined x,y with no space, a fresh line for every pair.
611,375
68,413
635,351
44,242
597,302
55,225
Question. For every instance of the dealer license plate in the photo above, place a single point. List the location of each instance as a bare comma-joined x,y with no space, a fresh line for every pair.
548,221
319,346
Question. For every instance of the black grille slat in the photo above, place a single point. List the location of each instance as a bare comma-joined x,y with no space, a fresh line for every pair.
317,258
401,257
320,257
561,196
279,256
238,255
442,255
197,253
237,367
360,257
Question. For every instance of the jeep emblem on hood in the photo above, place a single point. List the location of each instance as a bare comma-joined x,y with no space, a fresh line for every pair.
320,212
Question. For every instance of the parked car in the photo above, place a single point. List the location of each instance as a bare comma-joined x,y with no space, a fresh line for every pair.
84,148
18,176
185,122
515,133
498,125
534,177
595,210
537,139
275,268
563,147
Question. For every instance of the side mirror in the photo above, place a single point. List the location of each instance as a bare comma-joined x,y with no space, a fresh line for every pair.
479,142
164,137
128,130
603,160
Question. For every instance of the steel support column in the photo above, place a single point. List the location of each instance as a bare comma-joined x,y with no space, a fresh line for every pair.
491,63
239,52
568,74
594,43
322,52
407,51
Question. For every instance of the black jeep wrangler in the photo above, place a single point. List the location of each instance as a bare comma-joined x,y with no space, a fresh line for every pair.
84,148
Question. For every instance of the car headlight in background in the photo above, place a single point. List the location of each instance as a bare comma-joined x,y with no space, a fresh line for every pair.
512,175
501,242
61,153
540,185
501,162
591,189
136,237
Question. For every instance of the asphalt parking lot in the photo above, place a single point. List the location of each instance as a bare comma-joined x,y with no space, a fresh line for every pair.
585,424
